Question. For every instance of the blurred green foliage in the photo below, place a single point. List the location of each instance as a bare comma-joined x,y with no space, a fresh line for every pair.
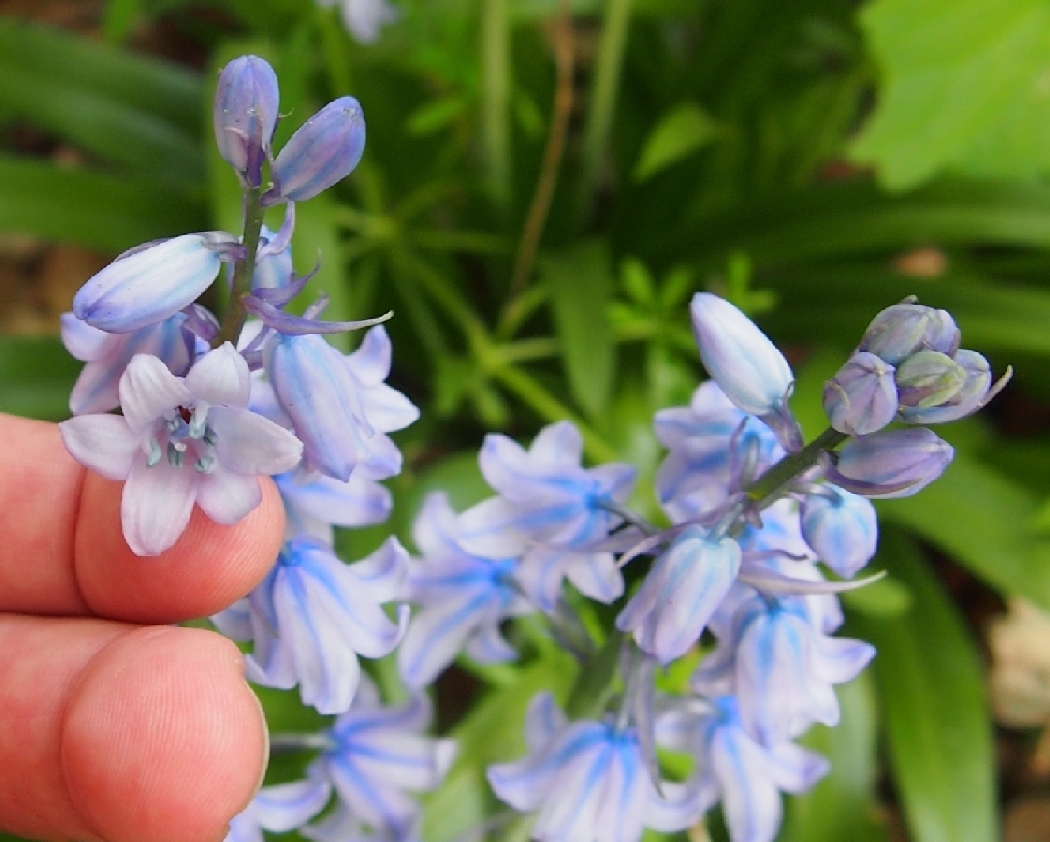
708,148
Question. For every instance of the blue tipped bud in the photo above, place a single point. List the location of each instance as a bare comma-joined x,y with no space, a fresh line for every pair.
323,151
245,115
862,397
929,378
890,463
840,527
901,330
152,283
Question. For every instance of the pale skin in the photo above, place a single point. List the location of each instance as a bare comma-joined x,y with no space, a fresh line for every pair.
114,724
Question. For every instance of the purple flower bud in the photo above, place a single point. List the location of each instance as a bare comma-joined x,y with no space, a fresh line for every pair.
152,283
901,330
324,150
929,378
974,393
890,463
841,528
741,359
862,397
245,114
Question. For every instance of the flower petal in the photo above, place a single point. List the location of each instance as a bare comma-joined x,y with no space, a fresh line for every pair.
148,390
227,497
220,377
252,445
156,505
103,443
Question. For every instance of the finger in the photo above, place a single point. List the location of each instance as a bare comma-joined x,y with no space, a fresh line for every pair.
64,553
121,733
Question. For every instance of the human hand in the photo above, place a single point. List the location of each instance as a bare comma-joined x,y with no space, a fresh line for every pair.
113,725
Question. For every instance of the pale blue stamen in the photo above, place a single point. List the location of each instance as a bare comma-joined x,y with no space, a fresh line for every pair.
155,453
176,454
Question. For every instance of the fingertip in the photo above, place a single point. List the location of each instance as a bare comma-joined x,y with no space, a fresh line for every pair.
207,569
163,739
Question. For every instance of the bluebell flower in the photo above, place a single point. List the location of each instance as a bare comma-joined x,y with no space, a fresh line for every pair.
106,356
708,441
841,528
364,18
245,114
182,441
890,463
323,151
463,599
862,396
734,768
977,389
339,405
543,570
588,781
376,757
781,667
899,331
681,592
546,497
314,503
279,809
313,615
151,283
749,368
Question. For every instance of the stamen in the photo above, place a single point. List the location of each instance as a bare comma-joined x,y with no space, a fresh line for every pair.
209,437
204,464
176,454
198,422
155,453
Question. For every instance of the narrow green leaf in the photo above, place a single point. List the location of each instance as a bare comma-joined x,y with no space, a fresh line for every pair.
842,806
931,692
119,18
680,133
36,376
580,282
984,521
90,209
127,109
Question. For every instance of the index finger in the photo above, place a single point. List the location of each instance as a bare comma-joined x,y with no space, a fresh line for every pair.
63,552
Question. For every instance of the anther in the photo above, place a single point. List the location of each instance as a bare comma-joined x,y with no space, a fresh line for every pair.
175,454
155,453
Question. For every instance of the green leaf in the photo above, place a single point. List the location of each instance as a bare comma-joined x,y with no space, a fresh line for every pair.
680,133
127,109
842,806
36,376
965,87
931,693
581,285
984,521
90,209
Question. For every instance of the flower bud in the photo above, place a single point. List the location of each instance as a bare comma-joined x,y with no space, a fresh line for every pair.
929,378
245,115
974,393
862,397
324,150
901,330
152,283
739,357
890,463
840,527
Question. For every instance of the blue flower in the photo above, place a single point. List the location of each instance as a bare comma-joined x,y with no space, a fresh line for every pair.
841,528
314,503
546,497
151,283
890,463
681,593
376,756
182,441
279,809
734,768
106,356
781,667
588,781
862,396
339,405
313,616
464,598
245,115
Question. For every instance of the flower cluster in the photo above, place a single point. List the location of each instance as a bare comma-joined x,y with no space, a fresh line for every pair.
753,520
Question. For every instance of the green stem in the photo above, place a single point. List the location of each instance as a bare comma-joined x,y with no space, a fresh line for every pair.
594,681
603,99
767,487
234,317
495,64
